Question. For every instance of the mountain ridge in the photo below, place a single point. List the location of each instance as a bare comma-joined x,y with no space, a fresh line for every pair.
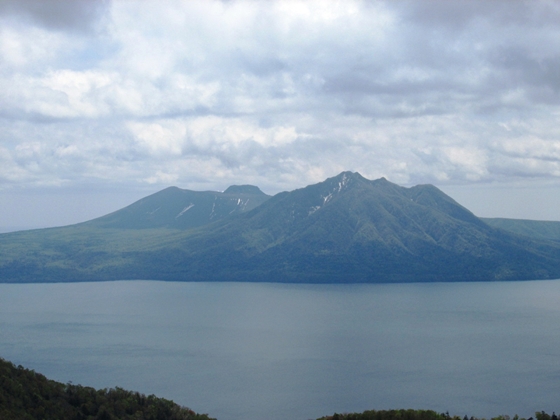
346,229
174,207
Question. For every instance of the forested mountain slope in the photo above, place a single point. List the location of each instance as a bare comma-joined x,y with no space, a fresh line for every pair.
344,229
183,209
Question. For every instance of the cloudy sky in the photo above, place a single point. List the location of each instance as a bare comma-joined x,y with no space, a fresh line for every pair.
104,102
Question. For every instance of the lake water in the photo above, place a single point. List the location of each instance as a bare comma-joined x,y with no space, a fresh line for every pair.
270,351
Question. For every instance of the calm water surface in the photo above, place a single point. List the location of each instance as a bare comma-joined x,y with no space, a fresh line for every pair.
269,351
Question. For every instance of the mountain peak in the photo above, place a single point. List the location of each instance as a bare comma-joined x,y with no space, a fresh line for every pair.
344,229
343,180
356,176
350,175
243,189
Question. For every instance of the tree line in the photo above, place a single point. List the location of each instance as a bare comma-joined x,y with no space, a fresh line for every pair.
425,415
27,395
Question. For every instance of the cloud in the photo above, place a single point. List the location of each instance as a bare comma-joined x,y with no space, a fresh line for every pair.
278,93
59,15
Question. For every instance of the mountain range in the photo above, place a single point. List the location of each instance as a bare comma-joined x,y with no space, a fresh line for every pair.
346,229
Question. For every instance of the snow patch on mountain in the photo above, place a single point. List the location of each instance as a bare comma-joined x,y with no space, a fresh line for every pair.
184,210
337,188
343,182
240,203
313,210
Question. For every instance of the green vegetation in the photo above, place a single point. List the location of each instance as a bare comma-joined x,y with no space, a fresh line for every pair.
183,209
535,229
346,229
422,415
26,395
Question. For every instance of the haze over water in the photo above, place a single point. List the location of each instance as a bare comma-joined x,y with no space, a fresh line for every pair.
255,351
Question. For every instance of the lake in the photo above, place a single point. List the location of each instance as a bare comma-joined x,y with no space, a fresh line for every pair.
283,351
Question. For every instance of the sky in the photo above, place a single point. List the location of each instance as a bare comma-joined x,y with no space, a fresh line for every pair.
105,102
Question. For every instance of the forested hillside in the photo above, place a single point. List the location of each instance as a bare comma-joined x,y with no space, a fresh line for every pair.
27,395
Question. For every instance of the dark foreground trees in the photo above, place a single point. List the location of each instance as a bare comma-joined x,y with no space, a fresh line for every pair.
422,415
27,395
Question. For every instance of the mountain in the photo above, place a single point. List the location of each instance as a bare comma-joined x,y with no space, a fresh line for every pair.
183,209
345,229
350,229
